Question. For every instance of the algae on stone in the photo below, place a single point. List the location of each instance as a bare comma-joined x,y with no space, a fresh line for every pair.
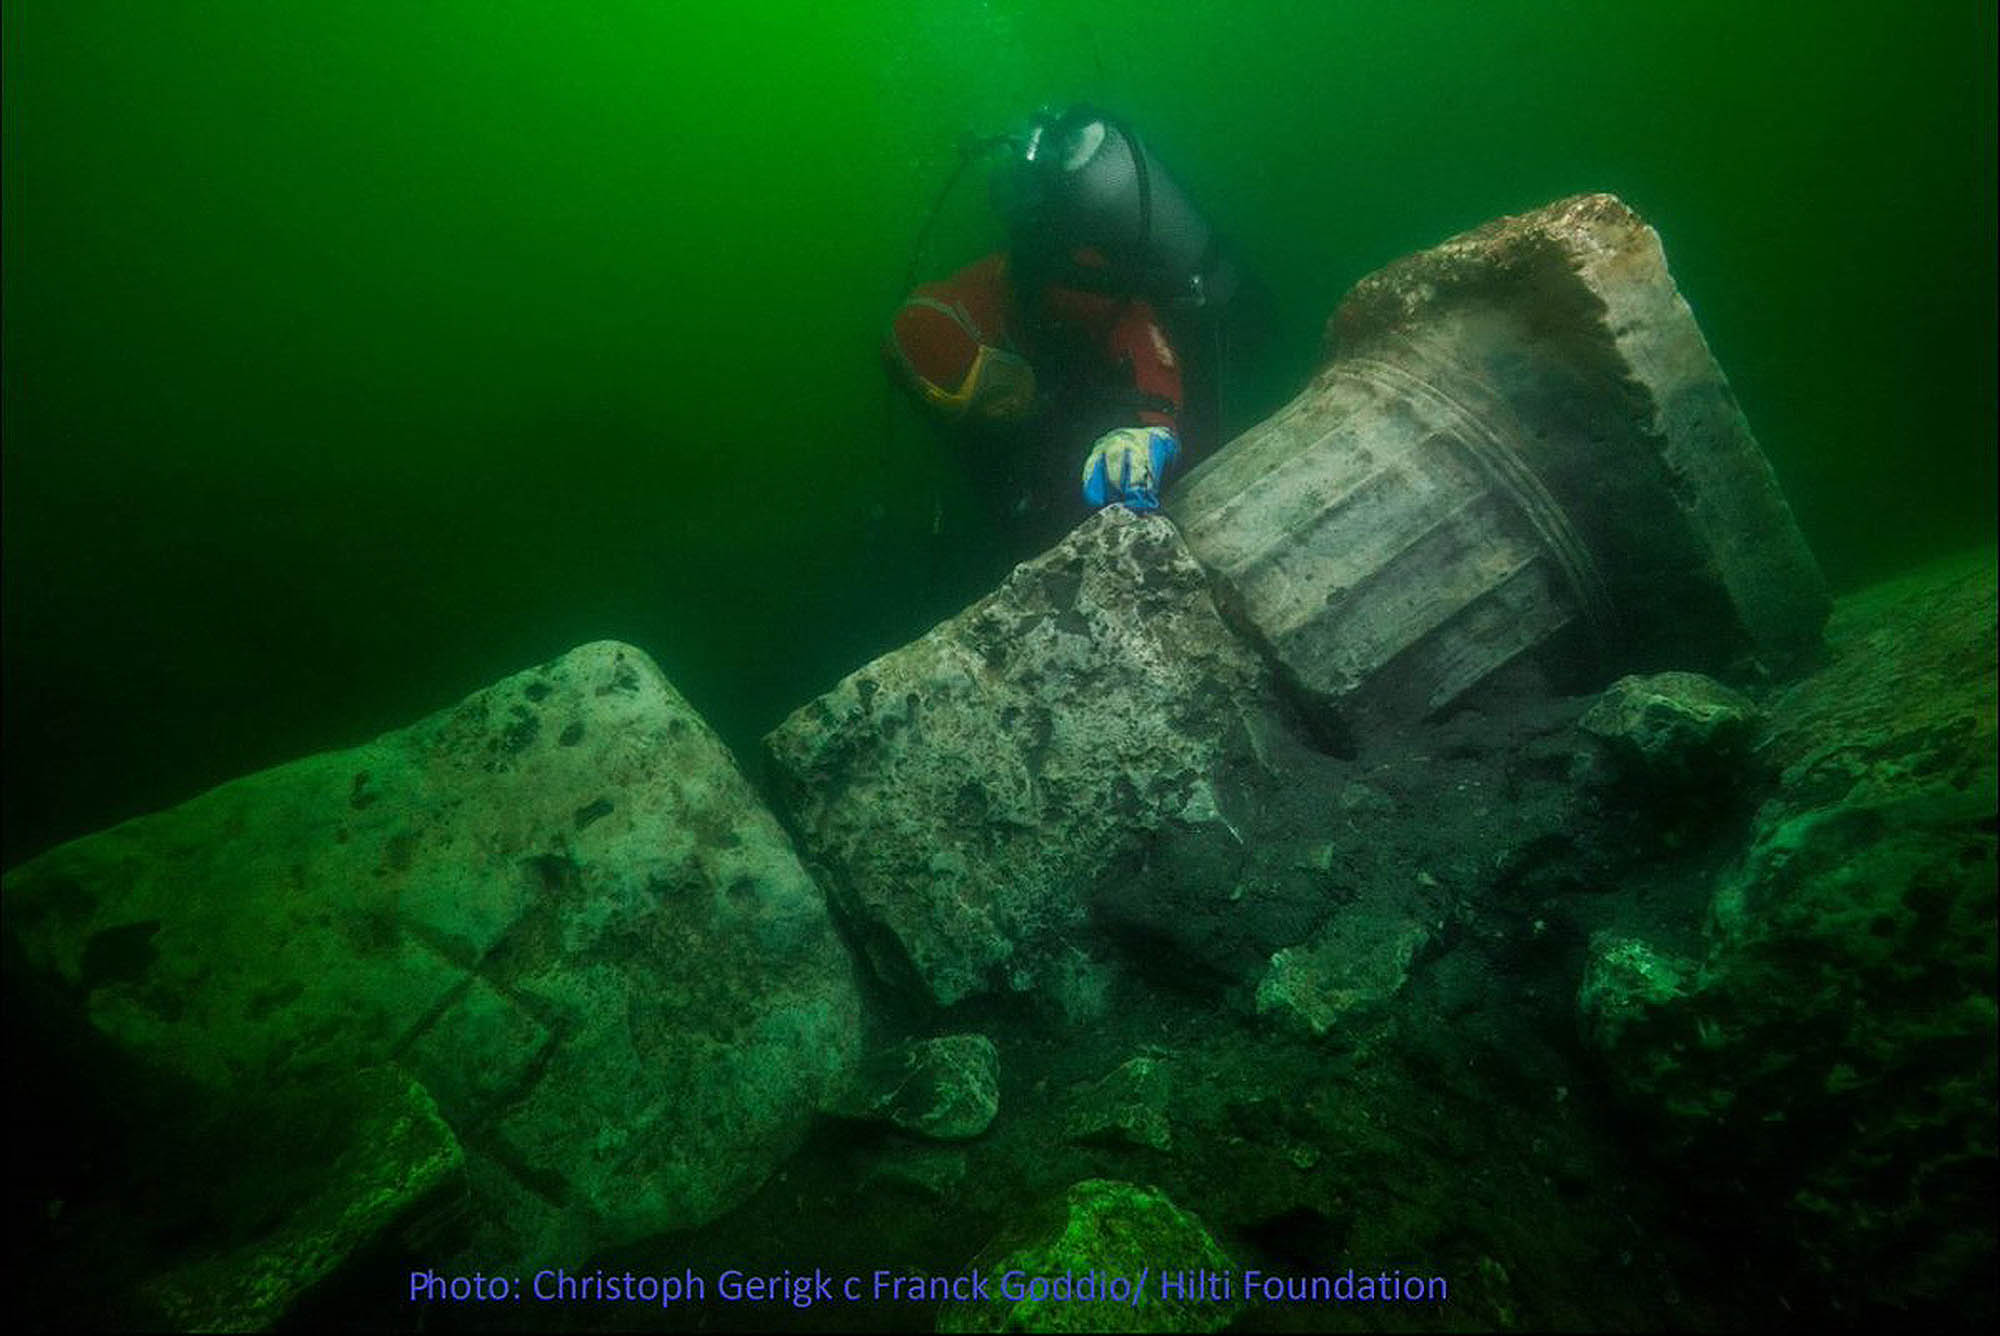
1829,1065
385,1165
1104,1230
557,904
966,793
947,1089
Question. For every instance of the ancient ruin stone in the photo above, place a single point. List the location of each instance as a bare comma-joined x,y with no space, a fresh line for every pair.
1520,444
557,905
965,793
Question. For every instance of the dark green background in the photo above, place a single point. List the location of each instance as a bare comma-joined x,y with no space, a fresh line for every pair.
357,354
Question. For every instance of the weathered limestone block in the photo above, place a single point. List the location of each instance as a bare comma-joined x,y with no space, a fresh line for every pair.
1834,1049
965,793
558,905
1520,434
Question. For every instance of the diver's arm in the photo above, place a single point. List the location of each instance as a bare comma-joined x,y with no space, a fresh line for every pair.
1136,340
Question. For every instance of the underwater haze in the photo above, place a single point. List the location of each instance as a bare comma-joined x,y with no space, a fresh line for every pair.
358,354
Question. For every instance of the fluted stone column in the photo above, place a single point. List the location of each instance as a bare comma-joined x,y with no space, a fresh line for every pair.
1519,436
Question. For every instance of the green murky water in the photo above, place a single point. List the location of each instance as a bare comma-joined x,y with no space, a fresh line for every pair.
357,354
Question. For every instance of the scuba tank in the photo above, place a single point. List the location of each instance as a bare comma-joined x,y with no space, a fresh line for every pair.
1083,179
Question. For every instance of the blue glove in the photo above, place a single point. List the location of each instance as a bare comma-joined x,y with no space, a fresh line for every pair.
1128,465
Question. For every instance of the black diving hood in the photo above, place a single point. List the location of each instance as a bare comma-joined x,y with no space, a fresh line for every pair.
1084,178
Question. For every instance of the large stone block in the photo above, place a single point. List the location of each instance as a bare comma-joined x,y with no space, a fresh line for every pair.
966,793
1520,435
558,905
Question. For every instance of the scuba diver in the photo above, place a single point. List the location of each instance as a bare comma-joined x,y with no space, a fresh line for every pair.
1062,361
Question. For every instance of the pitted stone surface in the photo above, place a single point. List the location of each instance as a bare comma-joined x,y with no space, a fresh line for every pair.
558,905
966,793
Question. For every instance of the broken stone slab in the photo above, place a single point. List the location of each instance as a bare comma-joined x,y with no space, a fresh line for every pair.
557,904
964,794
1520,444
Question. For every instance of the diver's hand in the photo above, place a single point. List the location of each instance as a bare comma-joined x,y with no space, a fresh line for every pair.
1128,465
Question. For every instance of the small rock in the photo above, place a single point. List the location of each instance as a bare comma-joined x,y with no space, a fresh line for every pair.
1668,731
1354,965
947,1089
1129,1105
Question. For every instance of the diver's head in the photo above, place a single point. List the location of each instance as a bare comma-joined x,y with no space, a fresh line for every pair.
1083,178
1022,187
